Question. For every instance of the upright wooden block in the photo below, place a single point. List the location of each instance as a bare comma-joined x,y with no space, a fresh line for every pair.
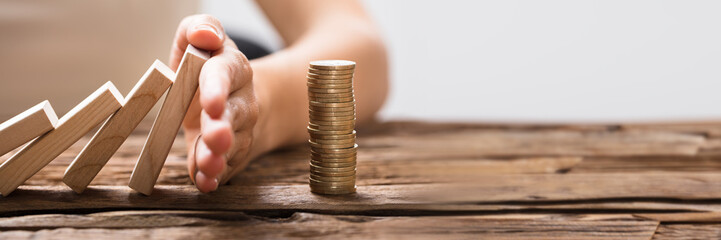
167,124
71,127
27,125
114,132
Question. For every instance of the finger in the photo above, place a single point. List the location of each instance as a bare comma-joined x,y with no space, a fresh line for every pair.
205,184
192,153
217,133
202,31
211,165
244,110
205,32
227,71
239,160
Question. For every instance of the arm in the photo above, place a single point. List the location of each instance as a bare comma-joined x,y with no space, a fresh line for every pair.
315,30
245,109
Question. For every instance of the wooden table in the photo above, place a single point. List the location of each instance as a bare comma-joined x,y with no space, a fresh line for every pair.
430,180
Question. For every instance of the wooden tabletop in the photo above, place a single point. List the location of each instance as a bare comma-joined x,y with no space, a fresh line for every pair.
415,179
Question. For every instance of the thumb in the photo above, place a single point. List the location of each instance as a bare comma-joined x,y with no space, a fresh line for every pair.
202,31
206,32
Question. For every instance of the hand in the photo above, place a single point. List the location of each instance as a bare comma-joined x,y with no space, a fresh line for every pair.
220,121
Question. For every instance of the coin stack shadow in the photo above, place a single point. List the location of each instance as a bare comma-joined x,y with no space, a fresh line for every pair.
331,127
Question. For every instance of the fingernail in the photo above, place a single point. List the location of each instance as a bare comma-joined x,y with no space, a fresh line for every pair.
215,183
209,28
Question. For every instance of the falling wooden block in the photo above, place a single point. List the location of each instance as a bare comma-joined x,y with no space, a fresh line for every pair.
167,124
71,127
27,125
114,132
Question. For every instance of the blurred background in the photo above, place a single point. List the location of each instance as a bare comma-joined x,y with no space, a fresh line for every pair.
522,61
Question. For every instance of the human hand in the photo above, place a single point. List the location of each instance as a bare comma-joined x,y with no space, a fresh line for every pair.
220,121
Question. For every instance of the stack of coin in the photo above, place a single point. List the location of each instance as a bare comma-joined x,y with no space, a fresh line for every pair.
331,127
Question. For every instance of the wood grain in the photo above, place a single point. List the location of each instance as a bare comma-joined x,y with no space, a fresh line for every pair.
501,143
683,217
71,127
538,181
531,189
26,126
222,225
167,124
688,231
113,133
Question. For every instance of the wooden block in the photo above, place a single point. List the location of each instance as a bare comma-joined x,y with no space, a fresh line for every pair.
71,127
27,125
167,124
114,132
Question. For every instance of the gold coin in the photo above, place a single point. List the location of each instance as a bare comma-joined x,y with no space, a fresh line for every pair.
333,123
331,169
333,174
330,76
332,114
330,95
334,191
335,164
317,117
329,86
338,151
335,146
331,127
330,152
332,65
331,100
335,136
328,132
333,141
332,164
330,90
332,179
328,186
315,81
315,152
320,154
330,72
328,119
326,158
327,81
332,109
334,126
332,105
333,184
323,163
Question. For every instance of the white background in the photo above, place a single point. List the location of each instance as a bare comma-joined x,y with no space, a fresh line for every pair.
550,61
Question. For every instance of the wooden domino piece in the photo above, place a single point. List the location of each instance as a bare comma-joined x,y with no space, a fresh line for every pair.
27,125
166,125
113,133
37,154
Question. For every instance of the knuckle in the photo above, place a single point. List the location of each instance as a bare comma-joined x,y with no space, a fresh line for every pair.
239,65
244,142
253,112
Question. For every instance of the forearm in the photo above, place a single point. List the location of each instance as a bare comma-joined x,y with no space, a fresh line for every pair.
281,84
